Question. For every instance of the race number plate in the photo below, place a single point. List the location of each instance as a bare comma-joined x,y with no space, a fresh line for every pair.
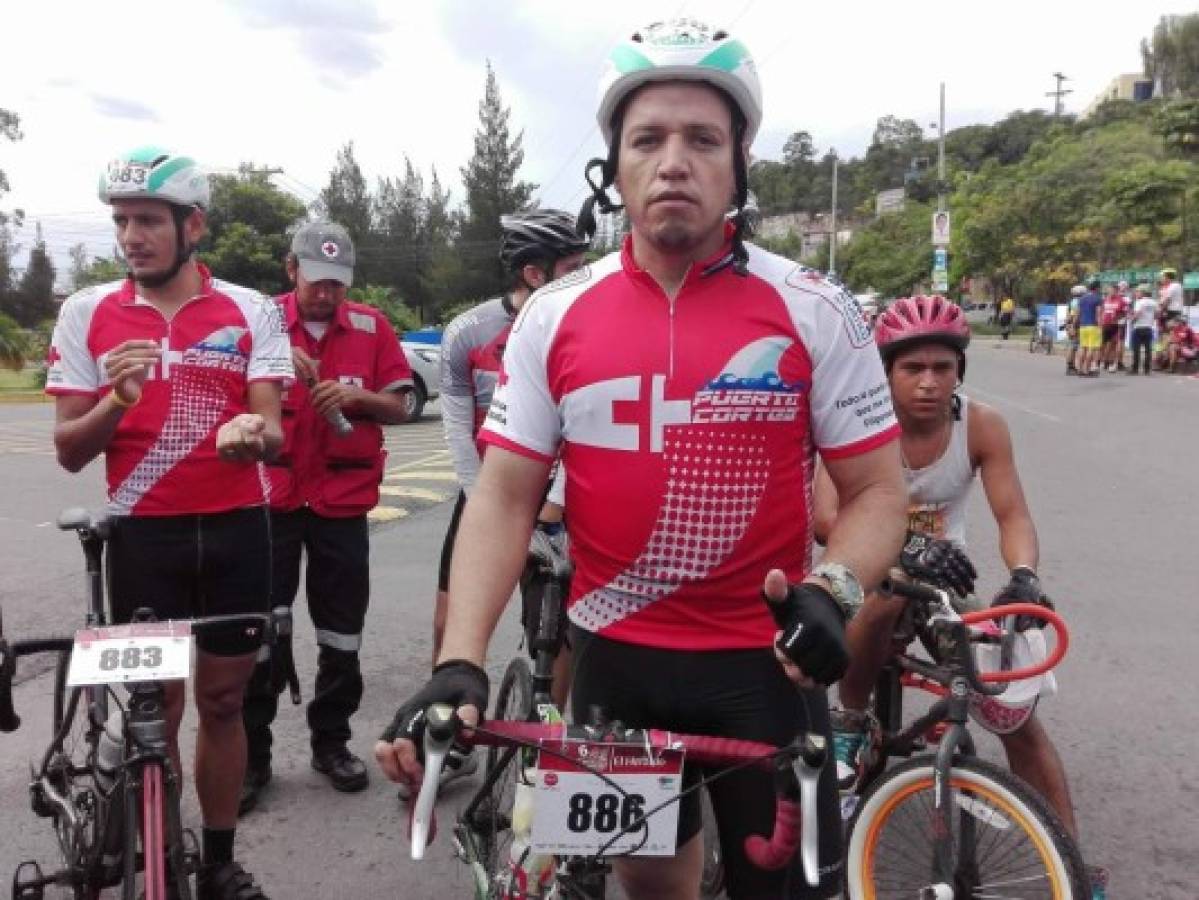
139,651
577,813
125,177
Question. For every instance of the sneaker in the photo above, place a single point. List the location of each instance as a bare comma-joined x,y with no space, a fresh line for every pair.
457,765
1099,878
344,769
227,881
849,736
256,778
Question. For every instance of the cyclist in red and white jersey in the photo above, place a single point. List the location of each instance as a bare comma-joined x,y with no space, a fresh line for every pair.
687,383
176,378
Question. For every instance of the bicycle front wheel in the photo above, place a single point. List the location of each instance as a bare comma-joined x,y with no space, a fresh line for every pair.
492,818
1006,841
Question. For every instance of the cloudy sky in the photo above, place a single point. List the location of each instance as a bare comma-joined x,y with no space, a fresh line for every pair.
287,82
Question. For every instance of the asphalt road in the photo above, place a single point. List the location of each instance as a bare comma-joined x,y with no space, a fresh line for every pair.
1108,467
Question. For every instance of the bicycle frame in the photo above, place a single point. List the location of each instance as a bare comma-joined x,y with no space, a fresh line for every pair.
947,636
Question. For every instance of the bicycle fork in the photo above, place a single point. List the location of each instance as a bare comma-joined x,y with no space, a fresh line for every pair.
954,880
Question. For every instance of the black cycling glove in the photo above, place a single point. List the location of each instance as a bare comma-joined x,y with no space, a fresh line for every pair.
456,682
938,562
813,628
1024,587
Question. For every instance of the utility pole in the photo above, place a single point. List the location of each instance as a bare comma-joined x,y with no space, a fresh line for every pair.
832,241
1058,94
941,154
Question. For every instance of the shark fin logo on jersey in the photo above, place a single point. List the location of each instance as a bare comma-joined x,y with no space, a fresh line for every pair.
751,388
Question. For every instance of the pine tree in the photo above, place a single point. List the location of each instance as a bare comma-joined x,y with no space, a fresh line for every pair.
402,253
33,300
347,201
492,189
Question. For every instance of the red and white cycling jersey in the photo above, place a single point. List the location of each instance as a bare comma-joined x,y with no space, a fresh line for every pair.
688,430
162,460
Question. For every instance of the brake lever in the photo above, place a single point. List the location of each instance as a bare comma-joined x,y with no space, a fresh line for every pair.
440,726
807,766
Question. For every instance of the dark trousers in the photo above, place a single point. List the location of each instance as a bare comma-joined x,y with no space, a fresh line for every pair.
337,583
1142,338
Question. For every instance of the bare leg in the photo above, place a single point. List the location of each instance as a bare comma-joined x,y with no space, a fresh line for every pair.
173,701
220,683
664,878
1032,756
869,637
562,672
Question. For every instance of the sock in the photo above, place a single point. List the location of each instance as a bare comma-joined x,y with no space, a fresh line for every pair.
218,845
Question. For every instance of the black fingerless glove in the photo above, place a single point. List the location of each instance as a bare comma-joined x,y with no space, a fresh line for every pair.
456,682
937,562
813,628
1024,587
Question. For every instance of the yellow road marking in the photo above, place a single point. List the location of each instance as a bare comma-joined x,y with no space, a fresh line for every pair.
412,493
386,514
427,475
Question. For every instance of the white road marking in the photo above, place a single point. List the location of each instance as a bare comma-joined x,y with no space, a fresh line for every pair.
412,493
975,390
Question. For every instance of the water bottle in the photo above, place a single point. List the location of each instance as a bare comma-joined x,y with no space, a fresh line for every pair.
335,417
537,868
110,751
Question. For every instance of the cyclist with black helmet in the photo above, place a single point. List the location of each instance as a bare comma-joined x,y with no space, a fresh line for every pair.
538,246
686,382
947,441
176,378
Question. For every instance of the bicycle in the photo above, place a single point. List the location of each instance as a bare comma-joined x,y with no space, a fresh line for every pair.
1042,337
904,839
106,779
494,834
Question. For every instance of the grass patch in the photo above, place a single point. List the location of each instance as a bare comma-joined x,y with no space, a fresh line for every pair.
25,380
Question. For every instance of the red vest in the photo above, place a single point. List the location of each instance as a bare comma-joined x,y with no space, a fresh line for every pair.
336,476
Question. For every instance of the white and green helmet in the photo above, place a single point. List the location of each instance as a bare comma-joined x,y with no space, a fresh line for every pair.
680,50
151,173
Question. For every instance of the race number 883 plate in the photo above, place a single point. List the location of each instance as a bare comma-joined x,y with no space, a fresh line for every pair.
577,813
139,651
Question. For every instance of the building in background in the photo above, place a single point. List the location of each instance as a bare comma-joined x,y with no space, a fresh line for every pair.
1135,87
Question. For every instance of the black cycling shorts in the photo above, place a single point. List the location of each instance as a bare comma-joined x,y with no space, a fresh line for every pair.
1110,333
184,567
729,693
447,548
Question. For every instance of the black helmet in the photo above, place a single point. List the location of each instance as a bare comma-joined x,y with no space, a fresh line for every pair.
539,234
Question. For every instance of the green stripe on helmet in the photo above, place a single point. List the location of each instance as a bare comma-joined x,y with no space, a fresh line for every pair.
145,155
626,59
727,57
160,175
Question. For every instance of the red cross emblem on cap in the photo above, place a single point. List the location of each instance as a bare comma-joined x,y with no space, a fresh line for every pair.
329,248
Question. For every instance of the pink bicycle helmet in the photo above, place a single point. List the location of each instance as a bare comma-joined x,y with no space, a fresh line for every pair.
911,321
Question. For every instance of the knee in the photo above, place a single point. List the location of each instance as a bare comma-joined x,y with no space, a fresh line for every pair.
219,705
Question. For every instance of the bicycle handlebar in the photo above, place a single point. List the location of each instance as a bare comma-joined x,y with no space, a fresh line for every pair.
796,767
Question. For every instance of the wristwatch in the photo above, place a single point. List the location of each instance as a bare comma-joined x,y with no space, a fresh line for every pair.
844,586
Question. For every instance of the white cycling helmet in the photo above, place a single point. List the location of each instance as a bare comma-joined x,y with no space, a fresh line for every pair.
1077,291
151,173
680,50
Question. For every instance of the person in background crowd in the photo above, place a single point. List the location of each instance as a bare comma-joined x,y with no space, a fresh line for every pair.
1090,336
1072,328
1180,346
1144,311
1112,315
1007,312
1171,301
352,375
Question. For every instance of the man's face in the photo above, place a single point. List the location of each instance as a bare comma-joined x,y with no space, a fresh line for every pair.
676,165
922,382
316,301
145,231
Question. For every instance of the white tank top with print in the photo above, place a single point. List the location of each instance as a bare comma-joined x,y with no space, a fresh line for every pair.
937,493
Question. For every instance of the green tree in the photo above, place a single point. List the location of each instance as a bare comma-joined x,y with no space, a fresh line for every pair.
443,276
492,189
10,129
1178,124
14,345
1171,55
347,201
385,299
401,250
249,222
33,299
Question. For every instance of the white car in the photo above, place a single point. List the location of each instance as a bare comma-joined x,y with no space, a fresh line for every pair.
425,362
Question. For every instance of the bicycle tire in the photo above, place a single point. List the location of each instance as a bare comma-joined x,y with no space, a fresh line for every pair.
514,702
711,882
994,798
